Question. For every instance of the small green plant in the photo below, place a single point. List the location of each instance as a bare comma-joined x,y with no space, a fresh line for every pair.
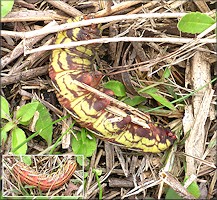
84,144
136,100
153,92
119,90
171,194
98,173
24,115
6,7
27,159
117,87
193,189
195,22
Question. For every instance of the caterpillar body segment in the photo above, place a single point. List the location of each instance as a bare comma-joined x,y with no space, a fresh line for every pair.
104,116
44,182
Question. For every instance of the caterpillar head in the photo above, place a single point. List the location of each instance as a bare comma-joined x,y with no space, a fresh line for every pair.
86,32
163,135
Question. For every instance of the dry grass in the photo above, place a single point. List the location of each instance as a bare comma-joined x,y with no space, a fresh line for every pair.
48,168
151,44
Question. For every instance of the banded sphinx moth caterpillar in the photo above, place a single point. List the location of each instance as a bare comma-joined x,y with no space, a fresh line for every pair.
27,175
78,91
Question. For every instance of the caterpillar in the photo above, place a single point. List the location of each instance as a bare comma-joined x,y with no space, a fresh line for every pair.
71,72
44,182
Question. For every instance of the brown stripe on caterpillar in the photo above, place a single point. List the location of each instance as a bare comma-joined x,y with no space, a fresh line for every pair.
44,182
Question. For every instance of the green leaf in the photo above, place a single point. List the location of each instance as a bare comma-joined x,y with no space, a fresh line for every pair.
167,73
160,99
4,136
171,194
80,159
83,162
42,124
99,184
4,108
212,143
4,131
36,133
86,175
193,188
97,171
195,22
7,127
150,89
27,159
18,136
84,145
136,100
117,87
26,112
6,7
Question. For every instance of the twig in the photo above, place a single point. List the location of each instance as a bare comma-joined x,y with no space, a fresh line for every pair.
193,44
118,7
212,186
202,5
137,117
30,60
175,185
26,75
149,4
119,39
140,188
65,8
119,183
91,21
19,49
32,15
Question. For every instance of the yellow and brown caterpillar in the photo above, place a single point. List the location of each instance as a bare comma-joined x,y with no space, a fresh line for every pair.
27,175
104,116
